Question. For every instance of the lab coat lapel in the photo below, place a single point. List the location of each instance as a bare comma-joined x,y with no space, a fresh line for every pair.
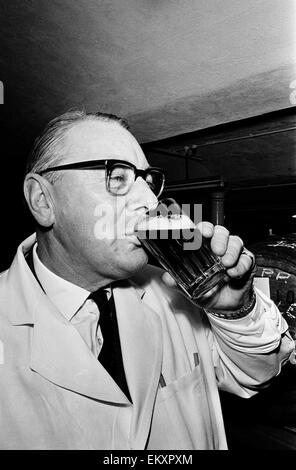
60,355
140,336
58,352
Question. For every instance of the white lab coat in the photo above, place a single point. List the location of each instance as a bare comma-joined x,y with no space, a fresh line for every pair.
54,394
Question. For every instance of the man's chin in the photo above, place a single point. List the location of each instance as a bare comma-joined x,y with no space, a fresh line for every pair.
138,260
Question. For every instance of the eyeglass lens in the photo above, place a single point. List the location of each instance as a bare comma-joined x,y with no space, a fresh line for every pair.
122,177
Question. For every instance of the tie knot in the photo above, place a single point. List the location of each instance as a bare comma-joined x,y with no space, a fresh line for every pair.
101,300
98,295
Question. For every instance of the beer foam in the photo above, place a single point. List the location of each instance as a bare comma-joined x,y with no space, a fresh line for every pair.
174,222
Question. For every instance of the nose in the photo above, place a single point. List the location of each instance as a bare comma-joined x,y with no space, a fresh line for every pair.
142,196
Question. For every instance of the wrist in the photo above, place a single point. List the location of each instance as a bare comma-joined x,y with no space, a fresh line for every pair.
248,305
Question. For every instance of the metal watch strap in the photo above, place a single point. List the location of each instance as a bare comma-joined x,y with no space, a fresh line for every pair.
242,312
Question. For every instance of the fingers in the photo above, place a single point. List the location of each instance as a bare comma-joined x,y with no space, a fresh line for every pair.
245,264
206,229
227,246
220,240
237,259
249,255
233,251
240,269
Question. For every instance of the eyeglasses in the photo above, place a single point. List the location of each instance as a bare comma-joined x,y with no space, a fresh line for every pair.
119,174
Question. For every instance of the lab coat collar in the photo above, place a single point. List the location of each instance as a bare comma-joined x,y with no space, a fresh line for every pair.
59,354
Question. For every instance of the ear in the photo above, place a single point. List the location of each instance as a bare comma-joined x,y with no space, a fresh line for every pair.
38,194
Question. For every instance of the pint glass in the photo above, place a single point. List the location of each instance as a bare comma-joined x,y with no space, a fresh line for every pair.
175,242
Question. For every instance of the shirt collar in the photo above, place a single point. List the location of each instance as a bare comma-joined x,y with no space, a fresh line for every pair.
67,297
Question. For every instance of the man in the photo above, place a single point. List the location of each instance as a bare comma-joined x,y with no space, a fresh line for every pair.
58,390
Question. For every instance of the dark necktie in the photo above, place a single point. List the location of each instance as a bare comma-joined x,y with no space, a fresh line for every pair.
110,355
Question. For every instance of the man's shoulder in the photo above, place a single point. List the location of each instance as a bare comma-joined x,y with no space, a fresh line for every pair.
6,300
3,274
3,279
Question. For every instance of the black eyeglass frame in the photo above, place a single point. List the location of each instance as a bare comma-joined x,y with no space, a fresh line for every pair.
107,165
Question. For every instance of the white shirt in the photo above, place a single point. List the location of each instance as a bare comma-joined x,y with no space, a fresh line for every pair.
73,303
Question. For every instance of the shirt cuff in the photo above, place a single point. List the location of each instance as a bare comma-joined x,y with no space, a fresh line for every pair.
259,331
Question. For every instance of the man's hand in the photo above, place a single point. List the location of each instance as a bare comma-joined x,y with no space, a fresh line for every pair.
240,268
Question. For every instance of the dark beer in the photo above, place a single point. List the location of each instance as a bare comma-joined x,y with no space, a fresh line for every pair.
181,250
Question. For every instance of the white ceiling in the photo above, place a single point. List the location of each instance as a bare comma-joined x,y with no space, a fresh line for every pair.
170,66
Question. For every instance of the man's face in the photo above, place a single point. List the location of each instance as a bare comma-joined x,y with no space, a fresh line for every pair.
91,224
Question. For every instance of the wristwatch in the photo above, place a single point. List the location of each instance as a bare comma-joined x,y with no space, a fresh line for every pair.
242,312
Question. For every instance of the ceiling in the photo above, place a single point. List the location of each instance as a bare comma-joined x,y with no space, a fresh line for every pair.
241,152
170,66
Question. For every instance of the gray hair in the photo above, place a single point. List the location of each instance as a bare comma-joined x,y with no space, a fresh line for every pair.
48,149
